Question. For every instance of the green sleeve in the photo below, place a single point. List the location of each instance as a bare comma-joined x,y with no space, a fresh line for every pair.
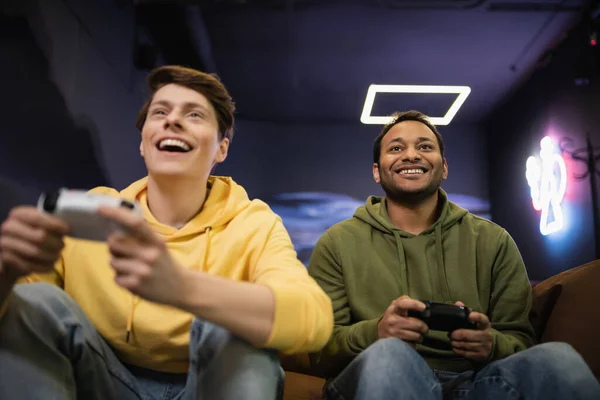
510,301
348,340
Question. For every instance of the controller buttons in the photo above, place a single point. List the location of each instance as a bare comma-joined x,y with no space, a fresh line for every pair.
50,201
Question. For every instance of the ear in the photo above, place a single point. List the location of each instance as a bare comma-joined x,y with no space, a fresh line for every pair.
445,170
376,176
142,148
222,151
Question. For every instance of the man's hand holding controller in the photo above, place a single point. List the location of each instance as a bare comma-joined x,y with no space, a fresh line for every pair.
30,242
31,238
474,344
472,340
396,322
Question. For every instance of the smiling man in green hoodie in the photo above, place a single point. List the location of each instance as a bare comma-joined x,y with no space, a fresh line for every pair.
414,244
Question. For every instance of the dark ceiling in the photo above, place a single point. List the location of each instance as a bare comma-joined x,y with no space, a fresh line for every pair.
313,61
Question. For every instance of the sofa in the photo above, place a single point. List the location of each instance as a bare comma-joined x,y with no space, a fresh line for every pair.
566,308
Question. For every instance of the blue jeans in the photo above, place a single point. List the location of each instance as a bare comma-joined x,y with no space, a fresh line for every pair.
391,369
50,350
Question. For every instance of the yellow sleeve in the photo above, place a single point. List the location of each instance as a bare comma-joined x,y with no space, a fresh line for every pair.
303,318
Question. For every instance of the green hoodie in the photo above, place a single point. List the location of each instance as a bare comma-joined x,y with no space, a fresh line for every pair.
364,263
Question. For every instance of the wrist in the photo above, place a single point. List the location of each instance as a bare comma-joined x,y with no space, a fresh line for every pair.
191,296
7,281
7,276
182,288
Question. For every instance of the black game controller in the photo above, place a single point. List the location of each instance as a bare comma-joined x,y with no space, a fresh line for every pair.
444,317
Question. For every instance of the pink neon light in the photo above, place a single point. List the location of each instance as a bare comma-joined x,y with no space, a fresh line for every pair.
547,179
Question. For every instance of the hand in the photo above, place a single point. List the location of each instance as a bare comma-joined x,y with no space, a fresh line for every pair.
396,322
474,344
30,242
141,259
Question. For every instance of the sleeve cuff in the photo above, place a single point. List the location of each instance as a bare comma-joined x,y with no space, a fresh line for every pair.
303,320
364,333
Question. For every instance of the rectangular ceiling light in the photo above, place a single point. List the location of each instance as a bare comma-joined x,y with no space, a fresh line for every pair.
462,91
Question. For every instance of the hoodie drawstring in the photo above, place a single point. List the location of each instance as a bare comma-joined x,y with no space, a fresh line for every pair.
401,258
130,319
207,235
133,297
439,252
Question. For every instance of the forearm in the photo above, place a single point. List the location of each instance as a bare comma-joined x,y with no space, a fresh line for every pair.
243,308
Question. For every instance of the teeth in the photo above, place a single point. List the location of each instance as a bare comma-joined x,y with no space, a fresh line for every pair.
174,142
411,171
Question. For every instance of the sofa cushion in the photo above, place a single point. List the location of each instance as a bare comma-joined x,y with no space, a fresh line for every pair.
302,387
575,315
544,300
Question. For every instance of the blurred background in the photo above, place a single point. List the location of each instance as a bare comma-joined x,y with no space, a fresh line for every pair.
72,74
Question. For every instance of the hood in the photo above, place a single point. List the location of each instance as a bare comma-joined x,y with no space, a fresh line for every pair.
374,213
225,200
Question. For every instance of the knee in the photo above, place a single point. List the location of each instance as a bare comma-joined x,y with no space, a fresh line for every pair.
42,298
555,362
561,365
257,372
558,356
389,353
234,365
263,379
209,342
206,339
40,293
34,307
39,298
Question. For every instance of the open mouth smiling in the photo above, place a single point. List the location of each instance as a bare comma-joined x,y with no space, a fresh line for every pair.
173,145
411,171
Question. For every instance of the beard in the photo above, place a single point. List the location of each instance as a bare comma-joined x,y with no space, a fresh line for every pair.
400,195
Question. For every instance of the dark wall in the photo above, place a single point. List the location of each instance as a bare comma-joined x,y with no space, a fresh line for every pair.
549,104
72,95
337,158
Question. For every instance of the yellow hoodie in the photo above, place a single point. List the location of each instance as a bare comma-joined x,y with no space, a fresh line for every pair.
231,237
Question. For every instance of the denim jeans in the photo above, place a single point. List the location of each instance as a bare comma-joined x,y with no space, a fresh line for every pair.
50,350
391,369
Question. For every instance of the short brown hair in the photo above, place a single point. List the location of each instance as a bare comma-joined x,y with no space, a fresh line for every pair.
398,117
208,85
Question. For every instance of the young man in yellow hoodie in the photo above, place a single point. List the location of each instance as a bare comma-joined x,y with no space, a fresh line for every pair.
191,300
413,245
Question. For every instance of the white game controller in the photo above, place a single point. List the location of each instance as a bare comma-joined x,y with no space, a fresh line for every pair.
78,208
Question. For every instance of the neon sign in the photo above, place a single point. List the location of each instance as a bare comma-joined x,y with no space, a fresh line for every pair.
547,178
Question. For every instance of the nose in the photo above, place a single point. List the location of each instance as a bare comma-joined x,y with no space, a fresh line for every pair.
172,121
411,154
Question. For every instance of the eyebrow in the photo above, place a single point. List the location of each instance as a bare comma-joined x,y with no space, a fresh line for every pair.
419,140
186,106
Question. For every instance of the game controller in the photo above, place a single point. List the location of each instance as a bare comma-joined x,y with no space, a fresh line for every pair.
444,317
78,209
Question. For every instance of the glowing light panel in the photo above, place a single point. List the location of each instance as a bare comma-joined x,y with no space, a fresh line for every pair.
547,179
462,91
